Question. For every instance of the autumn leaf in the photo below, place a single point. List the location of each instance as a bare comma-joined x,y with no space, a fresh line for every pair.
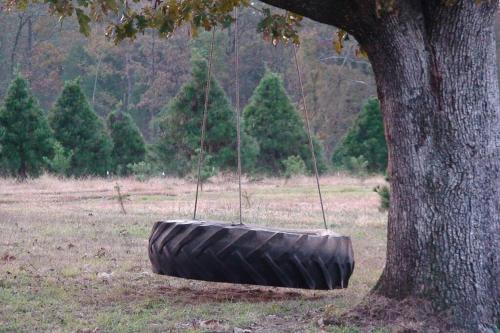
338,43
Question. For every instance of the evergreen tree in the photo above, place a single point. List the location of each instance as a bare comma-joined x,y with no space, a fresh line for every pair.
80,131
180,128
364,141
26,139
61,162
128,144
273,121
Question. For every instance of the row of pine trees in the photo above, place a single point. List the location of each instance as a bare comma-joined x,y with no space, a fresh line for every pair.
272,129
72,140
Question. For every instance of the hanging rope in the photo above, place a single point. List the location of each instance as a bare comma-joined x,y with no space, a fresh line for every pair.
204,122
238,113
311,145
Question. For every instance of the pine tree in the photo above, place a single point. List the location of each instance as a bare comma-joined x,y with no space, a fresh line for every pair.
364,141
128,144
26,139
180,128
80,131
273,121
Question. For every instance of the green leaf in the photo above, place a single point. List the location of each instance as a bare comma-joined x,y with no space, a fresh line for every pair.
83,22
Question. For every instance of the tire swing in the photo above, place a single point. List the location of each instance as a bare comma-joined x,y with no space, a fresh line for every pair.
238,253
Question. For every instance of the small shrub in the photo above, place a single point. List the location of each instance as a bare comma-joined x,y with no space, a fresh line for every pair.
357,166
384,194
61,162
207,170
141,170
294,166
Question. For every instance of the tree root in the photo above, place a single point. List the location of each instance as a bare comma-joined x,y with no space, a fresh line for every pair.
403,316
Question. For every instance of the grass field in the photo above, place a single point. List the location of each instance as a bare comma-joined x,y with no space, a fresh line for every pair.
71,261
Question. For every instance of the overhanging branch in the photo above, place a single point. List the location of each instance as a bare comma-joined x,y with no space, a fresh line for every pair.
350,15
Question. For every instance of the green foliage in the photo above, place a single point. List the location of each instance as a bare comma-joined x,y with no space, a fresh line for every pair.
384,194
81,131
357,166
180,127
153,71
26,139
141,170
207,169
61,162
128,144
250,151
364,140
76,65
167,18
2,133
294,166
276,125
106,65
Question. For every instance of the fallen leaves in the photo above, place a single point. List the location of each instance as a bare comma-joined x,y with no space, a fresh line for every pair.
101,253
8,257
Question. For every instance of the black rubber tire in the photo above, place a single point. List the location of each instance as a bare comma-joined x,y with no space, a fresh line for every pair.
214,251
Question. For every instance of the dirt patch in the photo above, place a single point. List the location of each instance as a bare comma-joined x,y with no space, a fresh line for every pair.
233,294
219,294
405,316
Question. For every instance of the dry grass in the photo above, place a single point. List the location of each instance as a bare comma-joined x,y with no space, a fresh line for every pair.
70,260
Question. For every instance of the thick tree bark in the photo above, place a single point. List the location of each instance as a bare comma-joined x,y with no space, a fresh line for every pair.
435,68
437,83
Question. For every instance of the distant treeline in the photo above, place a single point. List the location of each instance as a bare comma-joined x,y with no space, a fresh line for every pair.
141,76
72,140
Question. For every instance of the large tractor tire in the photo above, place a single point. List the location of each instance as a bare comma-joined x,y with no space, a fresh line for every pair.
214,251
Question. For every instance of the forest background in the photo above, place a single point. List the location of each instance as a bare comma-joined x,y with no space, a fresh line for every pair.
142,76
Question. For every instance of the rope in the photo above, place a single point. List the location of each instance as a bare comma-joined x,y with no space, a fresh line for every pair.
204,122
238,113
311,145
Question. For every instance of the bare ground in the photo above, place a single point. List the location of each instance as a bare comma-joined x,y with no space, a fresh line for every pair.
71,261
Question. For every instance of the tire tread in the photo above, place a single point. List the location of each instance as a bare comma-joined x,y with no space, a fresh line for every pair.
212,251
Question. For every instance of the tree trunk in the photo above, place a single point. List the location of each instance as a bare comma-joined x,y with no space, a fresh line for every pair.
435,69
128,76
20,26
29,46
153,57
96,78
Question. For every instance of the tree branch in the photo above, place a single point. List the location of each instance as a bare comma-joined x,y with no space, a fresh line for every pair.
350,15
